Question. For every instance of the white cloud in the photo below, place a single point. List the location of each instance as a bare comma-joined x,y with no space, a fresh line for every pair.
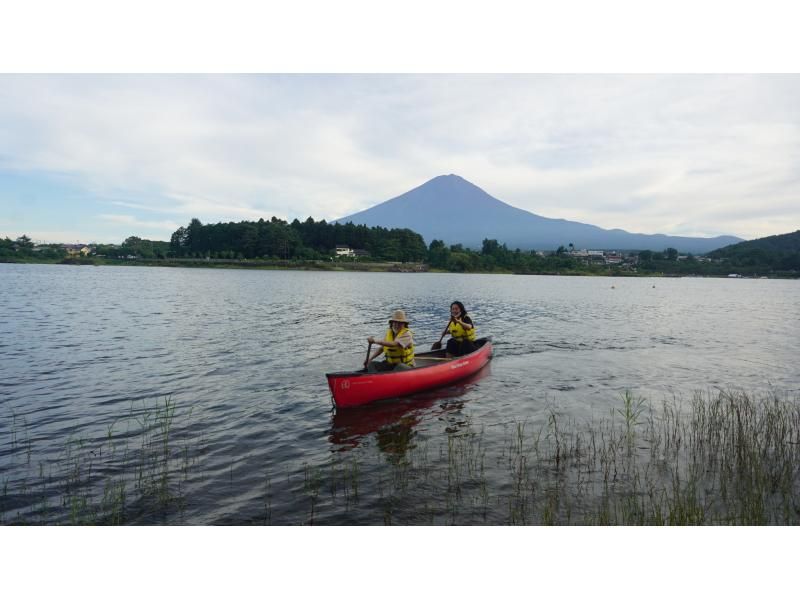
670,154
132,221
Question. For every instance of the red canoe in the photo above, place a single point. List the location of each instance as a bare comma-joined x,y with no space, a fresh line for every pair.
353,389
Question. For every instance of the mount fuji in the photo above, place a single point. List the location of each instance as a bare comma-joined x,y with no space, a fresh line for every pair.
452,209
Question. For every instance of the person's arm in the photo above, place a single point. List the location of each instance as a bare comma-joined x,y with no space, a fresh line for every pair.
404,339
375,341
466,323
375,354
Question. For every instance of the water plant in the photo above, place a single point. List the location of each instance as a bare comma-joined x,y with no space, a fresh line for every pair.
718,458
95,480
631,411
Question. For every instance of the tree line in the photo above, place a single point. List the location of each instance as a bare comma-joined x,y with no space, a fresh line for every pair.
24,247
494,257
777,253
312,240
264,239
307,240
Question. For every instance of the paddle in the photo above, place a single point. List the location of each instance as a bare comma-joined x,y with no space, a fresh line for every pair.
438,344
366,361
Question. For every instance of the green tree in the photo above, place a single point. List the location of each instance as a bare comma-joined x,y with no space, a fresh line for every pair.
438,254
25,243
195,237
459,262
490,247
6,247
178,241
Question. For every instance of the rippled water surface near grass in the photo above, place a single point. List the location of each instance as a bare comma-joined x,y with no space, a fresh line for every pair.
198,396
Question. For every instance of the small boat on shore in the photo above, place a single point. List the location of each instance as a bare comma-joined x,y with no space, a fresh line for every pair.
433,369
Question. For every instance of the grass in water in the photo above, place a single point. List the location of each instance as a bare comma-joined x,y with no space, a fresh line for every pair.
715,459
105,480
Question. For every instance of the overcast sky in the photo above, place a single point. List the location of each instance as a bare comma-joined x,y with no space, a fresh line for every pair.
99,158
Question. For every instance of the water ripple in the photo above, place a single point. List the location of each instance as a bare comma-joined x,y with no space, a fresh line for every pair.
93,353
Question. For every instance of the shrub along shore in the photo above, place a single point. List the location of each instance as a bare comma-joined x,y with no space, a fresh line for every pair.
322,246
728,458
576,269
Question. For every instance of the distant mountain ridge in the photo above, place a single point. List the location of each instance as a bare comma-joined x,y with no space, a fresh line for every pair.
454,210
786,243
777,254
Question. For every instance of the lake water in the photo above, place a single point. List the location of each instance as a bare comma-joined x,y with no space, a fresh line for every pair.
91,355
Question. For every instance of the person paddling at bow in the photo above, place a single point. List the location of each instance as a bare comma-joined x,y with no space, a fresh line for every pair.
398,345
461,330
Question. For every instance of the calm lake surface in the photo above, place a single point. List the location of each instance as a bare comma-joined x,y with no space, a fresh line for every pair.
91,357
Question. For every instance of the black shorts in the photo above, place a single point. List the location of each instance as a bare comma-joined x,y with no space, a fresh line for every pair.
457,348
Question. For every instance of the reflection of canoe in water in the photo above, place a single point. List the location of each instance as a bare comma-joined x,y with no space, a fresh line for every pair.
350,426
352,389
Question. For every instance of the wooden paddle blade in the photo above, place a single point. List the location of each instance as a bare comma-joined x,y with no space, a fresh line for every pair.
436,346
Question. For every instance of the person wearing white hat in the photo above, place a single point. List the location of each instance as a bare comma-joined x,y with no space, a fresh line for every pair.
398,345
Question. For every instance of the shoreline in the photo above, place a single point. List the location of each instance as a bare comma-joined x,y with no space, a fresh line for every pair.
396,267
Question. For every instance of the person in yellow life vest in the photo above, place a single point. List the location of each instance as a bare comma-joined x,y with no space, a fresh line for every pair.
461,330
397,345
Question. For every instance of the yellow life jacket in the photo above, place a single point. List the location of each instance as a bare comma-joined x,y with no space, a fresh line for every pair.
459,333
399,354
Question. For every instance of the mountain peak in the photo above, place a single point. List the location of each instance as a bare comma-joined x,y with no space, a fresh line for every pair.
452,209
445,181
450,189
448,179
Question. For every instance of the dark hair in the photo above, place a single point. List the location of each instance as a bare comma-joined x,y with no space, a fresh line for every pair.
460,306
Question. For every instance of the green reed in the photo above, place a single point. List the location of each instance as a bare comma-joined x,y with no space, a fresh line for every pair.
726,458
716,459
96,480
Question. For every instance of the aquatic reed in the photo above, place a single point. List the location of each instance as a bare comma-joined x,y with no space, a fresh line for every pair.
101,480
718,458
726,458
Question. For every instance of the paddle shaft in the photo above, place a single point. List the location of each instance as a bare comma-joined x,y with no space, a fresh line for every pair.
446,328
369,348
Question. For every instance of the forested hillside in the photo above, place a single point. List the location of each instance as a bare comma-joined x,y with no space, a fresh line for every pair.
276,238
775,253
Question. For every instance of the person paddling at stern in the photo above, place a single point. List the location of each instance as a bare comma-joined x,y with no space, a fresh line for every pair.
398,345
462,332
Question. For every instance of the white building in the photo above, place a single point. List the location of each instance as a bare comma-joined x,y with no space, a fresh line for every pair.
344,251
